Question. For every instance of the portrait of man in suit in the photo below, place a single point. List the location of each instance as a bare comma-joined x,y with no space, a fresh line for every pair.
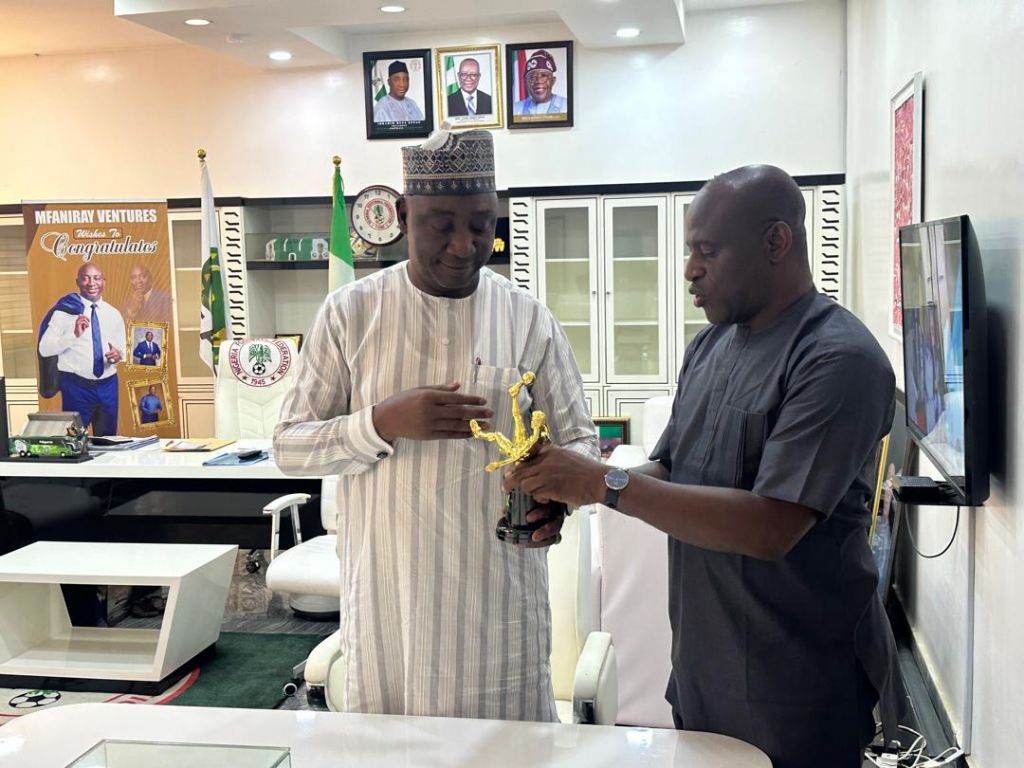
146,302
150,406
147,351
469,99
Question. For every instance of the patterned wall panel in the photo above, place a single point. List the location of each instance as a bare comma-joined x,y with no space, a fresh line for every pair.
522,254
232,239
828,247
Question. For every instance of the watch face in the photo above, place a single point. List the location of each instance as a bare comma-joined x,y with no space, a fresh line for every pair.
616,479
375,215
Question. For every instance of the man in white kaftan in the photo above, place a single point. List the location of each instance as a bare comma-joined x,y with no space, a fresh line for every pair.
438,617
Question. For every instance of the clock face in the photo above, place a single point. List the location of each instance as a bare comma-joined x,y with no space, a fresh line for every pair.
375,215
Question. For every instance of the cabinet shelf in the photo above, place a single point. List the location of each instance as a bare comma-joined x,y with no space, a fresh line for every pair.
322,264
642,323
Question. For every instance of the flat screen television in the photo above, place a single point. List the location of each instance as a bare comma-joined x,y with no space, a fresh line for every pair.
945,352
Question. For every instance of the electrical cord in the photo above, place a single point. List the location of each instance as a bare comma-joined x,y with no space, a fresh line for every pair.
913,544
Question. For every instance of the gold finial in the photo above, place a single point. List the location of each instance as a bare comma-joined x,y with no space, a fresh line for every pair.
336,160
521,444
201,153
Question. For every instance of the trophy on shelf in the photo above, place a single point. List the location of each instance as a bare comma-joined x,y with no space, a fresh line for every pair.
513,527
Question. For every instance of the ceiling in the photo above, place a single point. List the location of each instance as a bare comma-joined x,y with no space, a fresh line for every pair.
320,32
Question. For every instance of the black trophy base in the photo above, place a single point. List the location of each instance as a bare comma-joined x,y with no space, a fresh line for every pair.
522,537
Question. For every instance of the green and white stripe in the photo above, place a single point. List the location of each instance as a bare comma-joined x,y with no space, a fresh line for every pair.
212,307
339,270
451,81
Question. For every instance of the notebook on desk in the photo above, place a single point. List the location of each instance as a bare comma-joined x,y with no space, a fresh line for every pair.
196,444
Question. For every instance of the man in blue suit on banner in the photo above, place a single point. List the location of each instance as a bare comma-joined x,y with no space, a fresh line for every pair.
147,352
81,342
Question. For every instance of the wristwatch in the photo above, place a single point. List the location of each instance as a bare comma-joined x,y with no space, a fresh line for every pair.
615,480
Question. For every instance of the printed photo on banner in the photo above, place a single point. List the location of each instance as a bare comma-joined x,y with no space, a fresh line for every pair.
99,275
469,86
148,343
151,405
396,85
539,84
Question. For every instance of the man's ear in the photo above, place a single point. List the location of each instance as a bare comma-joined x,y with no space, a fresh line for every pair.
778,241
402,206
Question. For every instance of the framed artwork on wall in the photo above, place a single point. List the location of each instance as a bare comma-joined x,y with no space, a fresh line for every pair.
397,91
906,153
539,84
151,401
469,86
612,431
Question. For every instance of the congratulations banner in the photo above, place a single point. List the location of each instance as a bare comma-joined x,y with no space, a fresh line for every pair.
99,279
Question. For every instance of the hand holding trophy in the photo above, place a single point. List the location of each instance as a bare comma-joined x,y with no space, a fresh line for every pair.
513,527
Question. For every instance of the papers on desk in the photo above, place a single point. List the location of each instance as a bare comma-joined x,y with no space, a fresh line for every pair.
120,443
196,444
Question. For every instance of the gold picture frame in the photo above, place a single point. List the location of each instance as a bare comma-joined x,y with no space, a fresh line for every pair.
137,334
452,107
163,394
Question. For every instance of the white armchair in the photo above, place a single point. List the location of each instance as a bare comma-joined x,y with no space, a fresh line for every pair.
583,668
631,559
309,571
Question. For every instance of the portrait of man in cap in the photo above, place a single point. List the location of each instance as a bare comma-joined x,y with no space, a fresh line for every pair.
397,92
541,84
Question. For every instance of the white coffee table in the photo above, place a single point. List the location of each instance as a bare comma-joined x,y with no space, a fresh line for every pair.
38,642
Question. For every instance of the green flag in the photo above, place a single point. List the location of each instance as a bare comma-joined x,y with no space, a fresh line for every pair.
451,82
340,269
212,309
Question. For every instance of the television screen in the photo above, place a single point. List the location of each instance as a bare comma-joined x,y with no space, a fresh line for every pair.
942,294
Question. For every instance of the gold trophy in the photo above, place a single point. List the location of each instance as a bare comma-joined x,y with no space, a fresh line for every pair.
513,526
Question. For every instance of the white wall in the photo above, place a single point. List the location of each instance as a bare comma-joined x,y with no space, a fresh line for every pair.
758,85
972,59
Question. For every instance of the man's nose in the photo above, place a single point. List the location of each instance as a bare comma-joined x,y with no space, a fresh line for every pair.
461,244
692,270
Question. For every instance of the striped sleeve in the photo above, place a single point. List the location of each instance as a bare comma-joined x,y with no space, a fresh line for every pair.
316,433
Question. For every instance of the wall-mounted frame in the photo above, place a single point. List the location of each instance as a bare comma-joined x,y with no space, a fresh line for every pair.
539,84
469,86
397,88
148,345
151,401
906,153
612,431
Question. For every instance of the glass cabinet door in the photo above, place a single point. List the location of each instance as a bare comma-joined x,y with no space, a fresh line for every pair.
186,247
635,295
567,275
689,319
17,338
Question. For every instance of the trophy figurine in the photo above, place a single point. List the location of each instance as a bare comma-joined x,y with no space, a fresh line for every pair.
513,526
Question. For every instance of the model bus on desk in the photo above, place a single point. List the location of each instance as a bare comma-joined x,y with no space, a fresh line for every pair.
57,435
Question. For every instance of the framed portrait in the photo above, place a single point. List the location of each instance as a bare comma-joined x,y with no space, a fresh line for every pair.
539,84
147,346
296,337
469,86
906,142
397,90
151,403
612,431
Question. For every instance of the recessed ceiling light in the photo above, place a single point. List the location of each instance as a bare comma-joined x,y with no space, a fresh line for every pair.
197,22
280,55
392,9
627,32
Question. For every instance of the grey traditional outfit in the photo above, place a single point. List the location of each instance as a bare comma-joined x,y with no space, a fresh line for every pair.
438,617
786,655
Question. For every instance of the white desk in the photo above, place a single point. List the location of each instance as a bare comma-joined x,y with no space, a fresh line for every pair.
53,738
37,639
152,463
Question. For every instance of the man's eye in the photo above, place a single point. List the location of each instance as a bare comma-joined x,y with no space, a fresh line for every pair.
442,227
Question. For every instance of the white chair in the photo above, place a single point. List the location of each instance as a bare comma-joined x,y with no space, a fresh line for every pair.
309,571
583,666
247,404
631,559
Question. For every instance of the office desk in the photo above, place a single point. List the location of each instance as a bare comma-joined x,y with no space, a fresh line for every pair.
331,739
152,495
